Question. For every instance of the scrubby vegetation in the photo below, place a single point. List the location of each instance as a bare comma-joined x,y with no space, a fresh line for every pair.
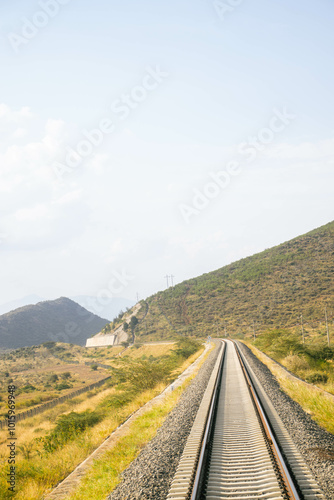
53,443
268,290
312,361
136,375
69,427
313,400
45,372
106,471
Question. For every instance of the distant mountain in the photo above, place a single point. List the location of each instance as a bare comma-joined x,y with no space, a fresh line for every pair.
108,308
61,320
15,304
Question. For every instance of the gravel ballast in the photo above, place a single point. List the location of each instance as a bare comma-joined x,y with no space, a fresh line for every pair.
314,443
150,475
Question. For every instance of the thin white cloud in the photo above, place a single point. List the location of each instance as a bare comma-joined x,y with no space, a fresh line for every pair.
119,209
309,151
36,210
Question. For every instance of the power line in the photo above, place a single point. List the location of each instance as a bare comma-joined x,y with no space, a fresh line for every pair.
169,276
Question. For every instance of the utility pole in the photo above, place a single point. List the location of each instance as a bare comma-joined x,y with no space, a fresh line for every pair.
167,279
225,333
137,297
302,325
254,330
171,277
327,329
217,330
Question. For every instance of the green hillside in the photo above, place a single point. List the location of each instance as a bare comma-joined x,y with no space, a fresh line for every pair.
266,291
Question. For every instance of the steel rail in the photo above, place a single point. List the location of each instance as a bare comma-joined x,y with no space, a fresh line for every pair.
288,482
207,434
238,446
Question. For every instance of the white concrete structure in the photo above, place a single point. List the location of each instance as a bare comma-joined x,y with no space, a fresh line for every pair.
101,340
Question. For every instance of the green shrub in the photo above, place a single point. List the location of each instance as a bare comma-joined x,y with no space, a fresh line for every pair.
321,353
62,386
279,343
317,378
117,400
49,345
133,322
68,427
186,347
28,388
141,374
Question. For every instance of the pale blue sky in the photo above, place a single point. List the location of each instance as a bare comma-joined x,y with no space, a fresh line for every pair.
121,207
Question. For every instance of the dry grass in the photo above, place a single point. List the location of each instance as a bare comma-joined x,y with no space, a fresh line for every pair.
149,350
189,361
38,474
295,363
311,399
35,370
81,374
105,474
41,473
40,425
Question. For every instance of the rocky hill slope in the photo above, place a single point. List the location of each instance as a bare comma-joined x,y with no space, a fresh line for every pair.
267,290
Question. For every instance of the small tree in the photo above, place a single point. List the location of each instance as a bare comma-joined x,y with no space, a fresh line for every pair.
49,345
133,322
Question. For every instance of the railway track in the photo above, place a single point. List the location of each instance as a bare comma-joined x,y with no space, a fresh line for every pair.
238,446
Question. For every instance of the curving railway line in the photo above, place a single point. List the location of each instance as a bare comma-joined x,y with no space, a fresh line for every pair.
238,447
